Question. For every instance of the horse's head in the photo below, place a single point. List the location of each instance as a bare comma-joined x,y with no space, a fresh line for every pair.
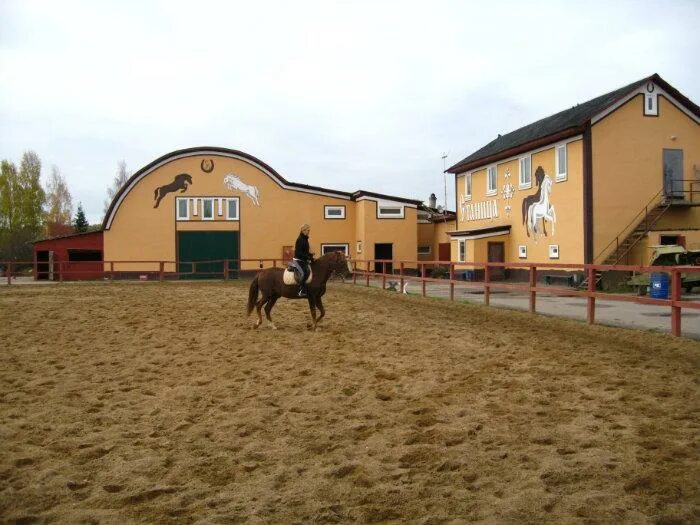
340,264
183,179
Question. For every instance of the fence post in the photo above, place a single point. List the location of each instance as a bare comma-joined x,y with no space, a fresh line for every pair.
36,269
383,275
487,288
8,271
354,272
590,309
675,296
422,277
367,274
533,293
452,282
194,268
160,271
401,268
225,269
111,271
60,271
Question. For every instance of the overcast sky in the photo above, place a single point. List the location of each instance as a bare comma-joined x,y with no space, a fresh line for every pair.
345,95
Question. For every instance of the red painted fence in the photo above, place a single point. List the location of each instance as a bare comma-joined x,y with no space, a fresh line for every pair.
364,269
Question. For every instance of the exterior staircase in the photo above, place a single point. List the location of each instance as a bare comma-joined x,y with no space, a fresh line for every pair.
631,234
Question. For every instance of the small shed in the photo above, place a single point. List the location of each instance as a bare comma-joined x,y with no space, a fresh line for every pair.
70,258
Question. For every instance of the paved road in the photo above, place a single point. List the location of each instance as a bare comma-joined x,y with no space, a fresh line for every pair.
613,313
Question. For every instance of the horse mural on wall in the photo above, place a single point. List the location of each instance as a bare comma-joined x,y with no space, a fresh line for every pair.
537,206
180,182
233,182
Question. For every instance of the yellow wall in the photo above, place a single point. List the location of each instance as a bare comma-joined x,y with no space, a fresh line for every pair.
401,233
627,166
140,232
566,197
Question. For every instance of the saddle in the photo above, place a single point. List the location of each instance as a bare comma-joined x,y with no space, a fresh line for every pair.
292,275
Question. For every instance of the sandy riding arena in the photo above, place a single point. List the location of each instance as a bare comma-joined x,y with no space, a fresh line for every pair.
157,403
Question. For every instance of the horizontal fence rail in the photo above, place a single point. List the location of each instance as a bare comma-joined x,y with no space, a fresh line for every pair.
393,272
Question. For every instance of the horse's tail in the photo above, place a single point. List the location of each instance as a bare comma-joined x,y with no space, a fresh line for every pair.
253,294
155,193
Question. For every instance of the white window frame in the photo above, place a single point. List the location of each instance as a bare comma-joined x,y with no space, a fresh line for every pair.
427,250
525,185
468,187
385,206
238,209
210,200
494,190
560,177
326,209
343,245
179,217
461,254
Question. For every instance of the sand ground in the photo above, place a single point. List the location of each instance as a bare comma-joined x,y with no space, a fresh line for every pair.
157,403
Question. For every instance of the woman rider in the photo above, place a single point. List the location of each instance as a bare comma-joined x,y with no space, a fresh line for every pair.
303,256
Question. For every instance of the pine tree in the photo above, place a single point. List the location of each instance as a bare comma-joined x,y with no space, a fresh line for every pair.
80,223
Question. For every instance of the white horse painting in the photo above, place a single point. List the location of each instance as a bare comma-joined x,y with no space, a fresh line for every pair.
233,182
543,209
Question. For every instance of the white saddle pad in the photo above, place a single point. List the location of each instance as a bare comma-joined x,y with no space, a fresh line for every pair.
288,278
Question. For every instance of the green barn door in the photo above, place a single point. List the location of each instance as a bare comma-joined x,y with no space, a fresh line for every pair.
207,246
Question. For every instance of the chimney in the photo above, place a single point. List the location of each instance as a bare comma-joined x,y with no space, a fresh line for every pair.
432,202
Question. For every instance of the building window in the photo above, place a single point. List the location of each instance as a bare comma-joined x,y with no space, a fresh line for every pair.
328,248
232,209
469,185
207,209
560,162
424,250
84,255
491,180
183,209
462,246
389,212
525,179
334,212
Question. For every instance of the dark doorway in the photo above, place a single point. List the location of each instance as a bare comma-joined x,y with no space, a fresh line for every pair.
383,251
42,265
444,252
497,253
673,173
196,246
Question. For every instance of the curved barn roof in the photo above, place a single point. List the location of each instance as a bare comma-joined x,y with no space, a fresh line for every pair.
232,153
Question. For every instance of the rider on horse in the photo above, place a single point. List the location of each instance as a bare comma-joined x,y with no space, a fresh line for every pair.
303,256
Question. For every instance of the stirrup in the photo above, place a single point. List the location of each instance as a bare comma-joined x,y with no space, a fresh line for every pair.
302,293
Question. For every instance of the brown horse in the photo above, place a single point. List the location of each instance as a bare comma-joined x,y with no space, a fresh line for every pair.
271,286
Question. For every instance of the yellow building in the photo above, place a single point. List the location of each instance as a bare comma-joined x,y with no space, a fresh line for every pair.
208,203
599,182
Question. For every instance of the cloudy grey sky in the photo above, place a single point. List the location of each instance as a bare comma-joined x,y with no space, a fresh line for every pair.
346,95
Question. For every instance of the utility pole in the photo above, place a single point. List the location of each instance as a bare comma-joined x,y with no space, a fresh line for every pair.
444,176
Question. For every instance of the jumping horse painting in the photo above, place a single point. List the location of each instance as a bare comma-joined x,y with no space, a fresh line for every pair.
180,182
270,285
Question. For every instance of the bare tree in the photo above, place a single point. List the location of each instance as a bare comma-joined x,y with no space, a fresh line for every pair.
59,205
120,179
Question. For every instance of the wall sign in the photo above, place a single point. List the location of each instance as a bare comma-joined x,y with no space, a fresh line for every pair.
207,165
479,210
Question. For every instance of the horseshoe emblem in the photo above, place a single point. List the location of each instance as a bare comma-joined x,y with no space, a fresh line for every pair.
207,165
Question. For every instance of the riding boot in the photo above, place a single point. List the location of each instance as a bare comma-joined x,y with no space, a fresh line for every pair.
302,290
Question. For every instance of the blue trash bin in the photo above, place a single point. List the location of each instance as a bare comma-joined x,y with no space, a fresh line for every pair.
658,288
